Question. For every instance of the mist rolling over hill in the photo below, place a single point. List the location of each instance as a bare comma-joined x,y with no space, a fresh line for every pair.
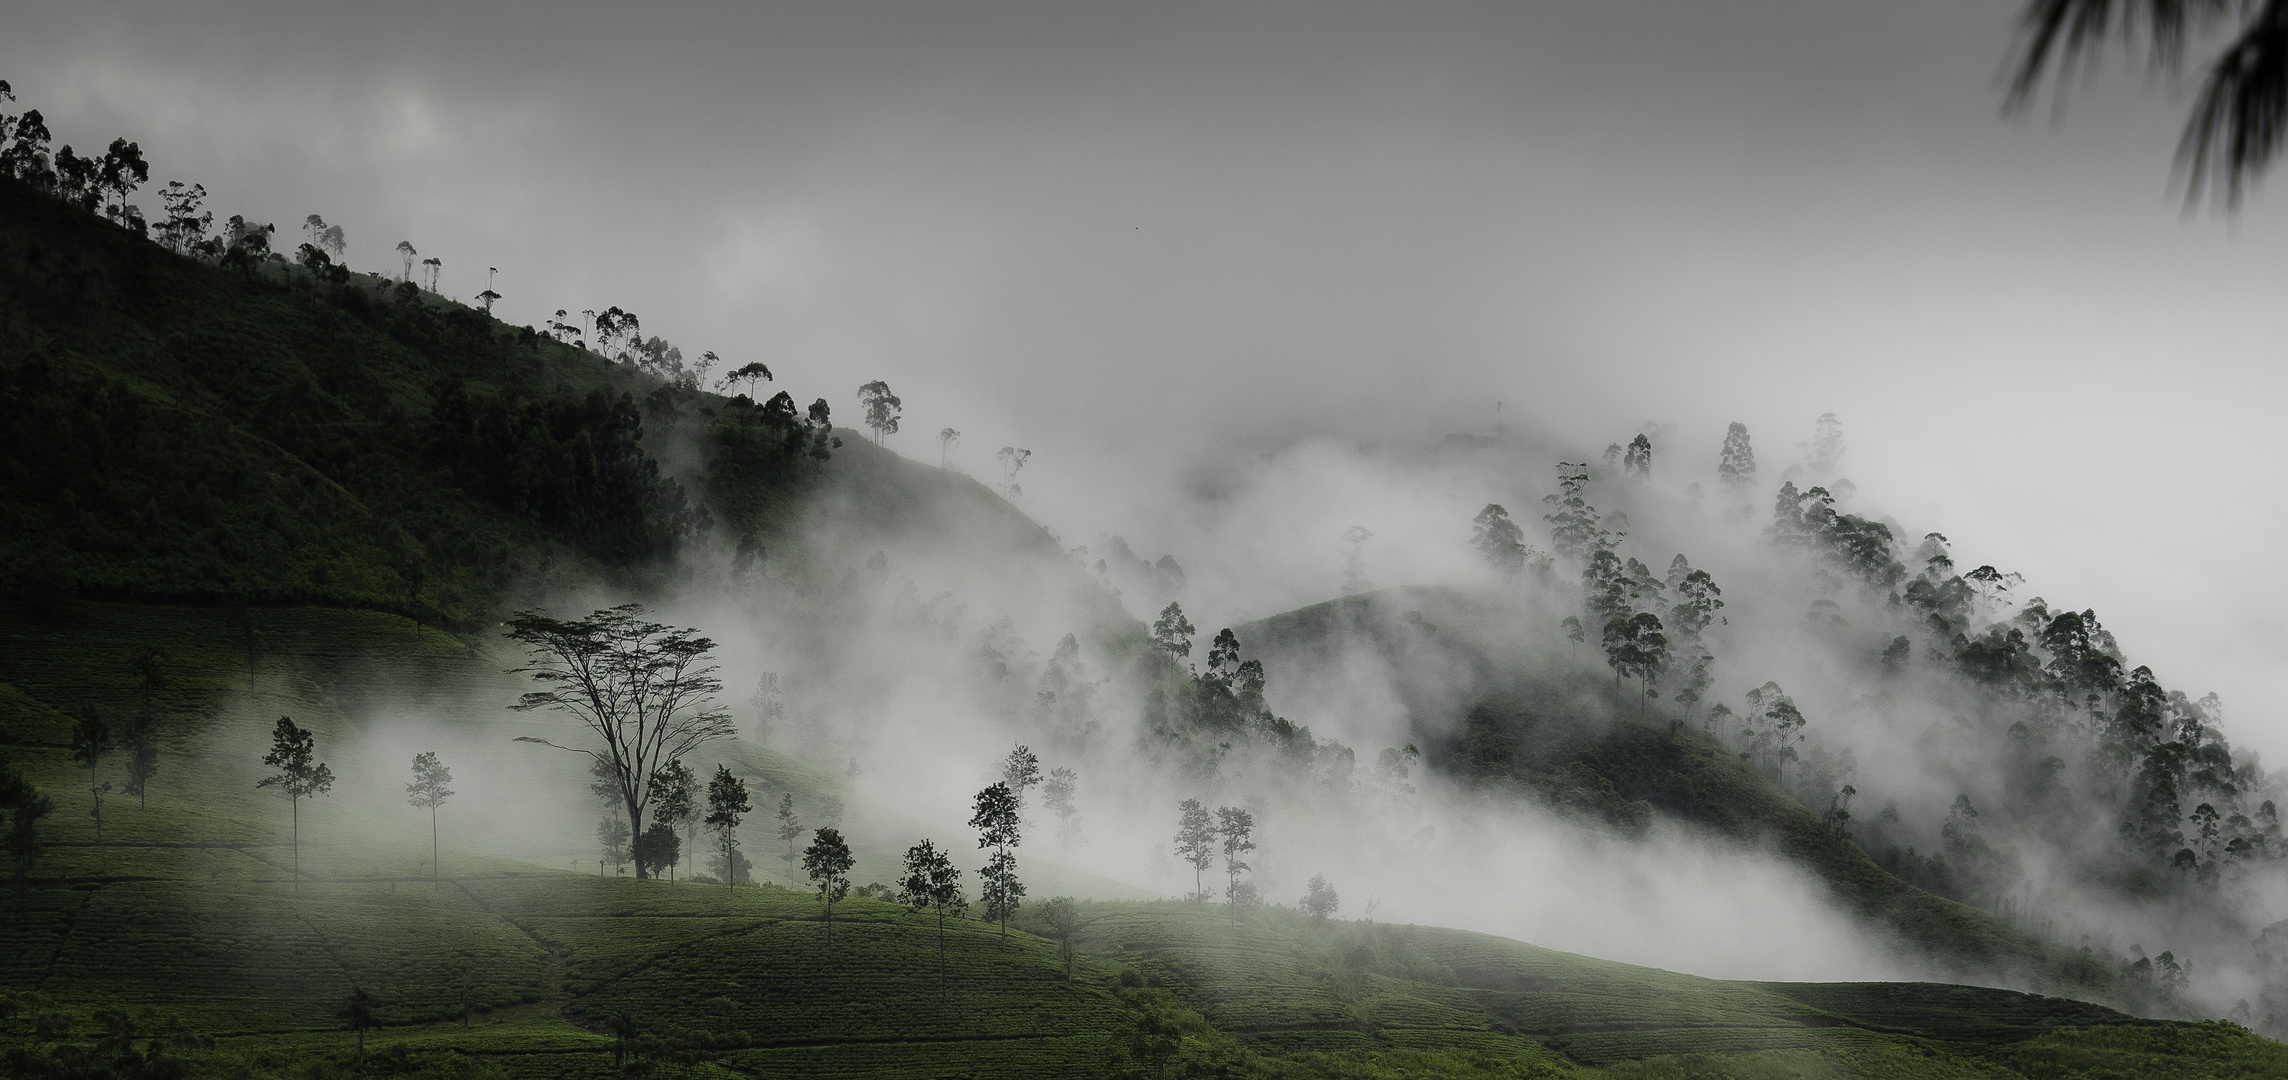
1292,657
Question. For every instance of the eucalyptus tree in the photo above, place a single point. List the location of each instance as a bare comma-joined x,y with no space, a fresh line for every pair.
1635,646
1021,770
1499,540
428,791
932,883
749,374
727,805
1058,791
996,822
293,752
676,800
1636,461
1172,633
945,441
1195,843
1574,530
91,742
406,252
828,861
882,409
645,692
1736,464
790,828
1236,826
1013,461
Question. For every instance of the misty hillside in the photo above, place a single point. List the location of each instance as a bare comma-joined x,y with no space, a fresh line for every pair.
182,431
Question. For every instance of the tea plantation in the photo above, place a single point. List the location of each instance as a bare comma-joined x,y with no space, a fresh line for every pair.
184,943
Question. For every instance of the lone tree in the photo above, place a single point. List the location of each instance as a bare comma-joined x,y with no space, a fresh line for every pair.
1320,901
1736,467
749,374
1064,918
1058,791
1013,461
790,830
675,795
429,792
827,861
1172,634
90,743
945,441
726,805
143,731
1021,770
659,848
996,823
1195,844
646,691
293,752
881,409
405,251
932,883
1499,540
1237,827
357,1010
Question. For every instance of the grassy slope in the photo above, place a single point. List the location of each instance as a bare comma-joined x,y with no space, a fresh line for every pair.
1511,705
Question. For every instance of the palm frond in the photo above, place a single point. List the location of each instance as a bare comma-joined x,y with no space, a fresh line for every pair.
2068,32
2238,121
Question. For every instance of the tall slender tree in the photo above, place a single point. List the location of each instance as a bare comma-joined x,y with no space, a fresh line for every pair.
1736,465
1021,770
1195,844
932,883
996,823
300,775
727,805
945,441
90,744
429,792
881,407
1236,826
827,862
676,795
790,830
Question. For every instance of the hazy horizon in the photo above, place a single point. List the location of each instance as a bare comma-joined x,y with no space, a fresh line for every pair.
1155,246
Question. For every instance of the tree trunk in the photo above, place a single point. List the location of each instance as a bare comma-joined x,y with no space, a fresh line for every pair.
297,805
435,872
635,836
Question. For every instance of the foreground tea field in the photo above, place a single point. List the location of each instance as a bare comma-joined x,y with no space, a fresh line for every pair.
187,943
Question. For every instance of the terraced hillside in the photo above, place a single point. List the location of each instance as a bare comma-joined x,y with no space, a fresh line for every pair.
190,907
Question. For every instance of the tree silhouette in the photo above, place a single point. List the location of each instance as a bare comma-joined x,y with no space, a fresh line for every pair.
1637,459
1021,770
749,374
827,862
1736,465
1320,901
881,409
644,690
1172,633
1013,462
1499,540
1635,645
932,883
1063,915
996,823
293,752
1195,844
90,743
676,798
1237,828
790,829
2240,115
945,441
726,805
405,251
357,1011
25,807
1058,792
429,792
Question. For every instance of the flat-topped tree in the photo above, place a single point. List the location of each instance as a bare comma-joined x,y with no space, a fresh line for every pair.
293,752
644,690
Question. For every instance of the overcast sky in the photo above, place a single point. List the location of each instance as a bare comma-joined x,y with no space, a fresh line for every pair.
1133,237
